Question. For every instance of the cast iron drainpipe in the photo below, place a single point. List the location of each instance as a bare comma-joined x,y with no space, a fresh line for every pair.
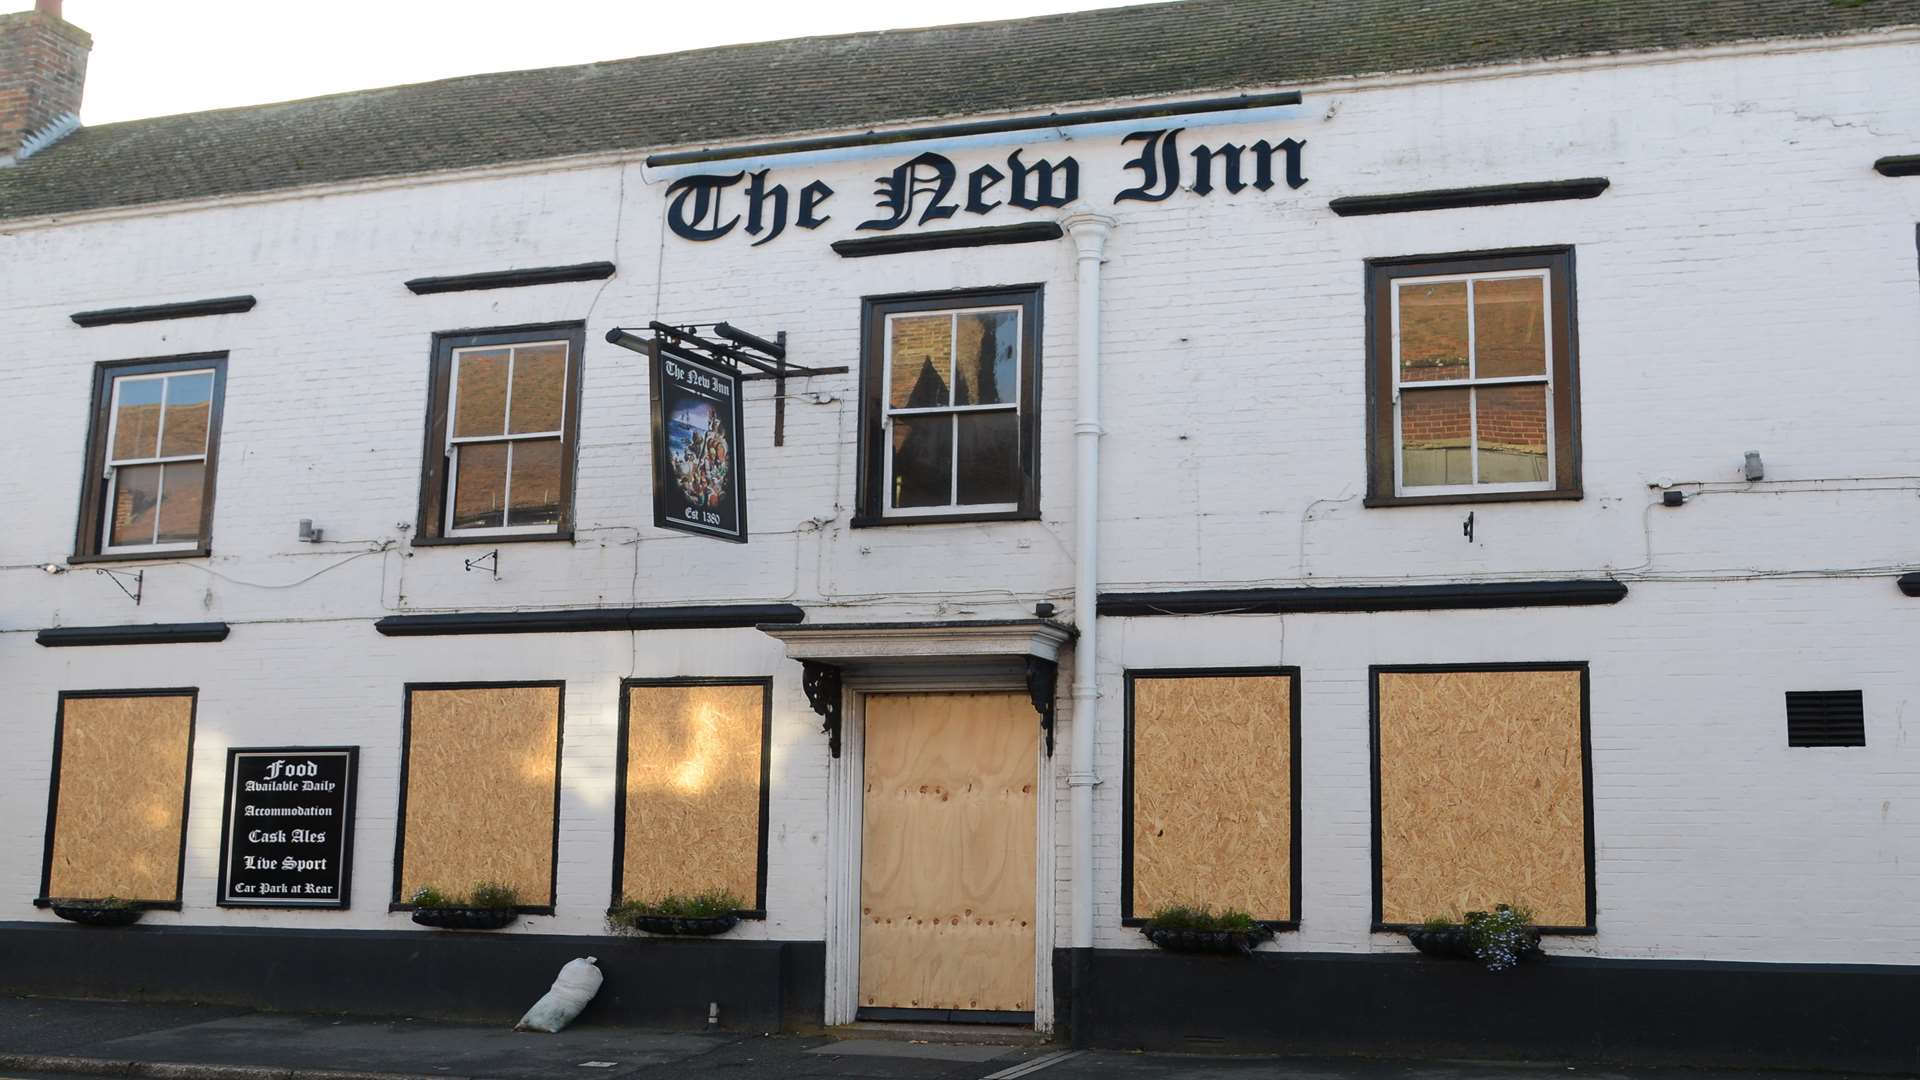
1089,231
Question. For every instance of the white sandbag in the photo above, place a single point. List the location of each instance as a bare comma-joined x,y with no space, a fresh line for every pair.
579,980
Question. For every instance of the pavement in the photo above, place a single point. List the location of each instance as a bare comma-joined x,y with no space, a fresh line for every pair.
49,1039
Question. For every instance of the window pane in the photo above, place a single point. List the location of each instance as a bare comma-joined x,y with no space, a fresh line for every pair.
922,361
182,487
1436,436
539,388
922,461
987,360
1513,434
136,419
481,383
136,498
536,483
1433,331
989,457
189,407
480,487
1509,327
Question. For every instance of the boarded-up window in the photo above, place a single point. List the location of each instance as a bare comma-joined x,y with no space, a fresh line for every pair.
693,789
1482,793
1212,792
117,814
479,801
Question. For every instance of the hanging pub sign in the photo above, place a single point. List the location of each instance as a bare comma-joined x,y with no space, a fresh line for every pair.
287,838
699,473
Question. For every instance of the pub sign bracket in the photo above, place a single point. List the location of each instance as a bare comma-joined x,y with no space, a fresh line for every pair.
749,357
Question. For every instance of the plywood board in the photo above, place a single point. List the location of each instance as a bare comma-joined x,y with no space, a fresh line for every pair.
123,778
947,852
1482,794
1213,793
481,765
693,790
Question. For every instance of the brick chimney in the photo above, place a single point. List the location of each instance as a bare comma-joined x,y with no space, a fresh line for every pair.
43,68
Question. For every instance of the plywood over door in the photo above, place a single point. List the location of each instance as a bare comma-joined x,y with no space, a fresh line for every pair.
947,852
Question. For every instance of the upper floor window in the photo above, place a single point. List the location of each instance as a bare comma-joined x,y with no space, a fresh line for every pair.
950,407
151,457
1472,378
501,435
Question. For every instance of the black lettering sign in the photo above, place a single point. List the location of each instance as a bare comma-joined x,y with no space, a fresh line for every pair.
693,206
287,840
1263,152
920,191
699,473
899,191
1158,178
1033,184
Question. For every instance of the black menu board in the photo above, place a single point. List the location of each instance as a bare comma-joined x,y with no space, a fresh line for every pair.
287,840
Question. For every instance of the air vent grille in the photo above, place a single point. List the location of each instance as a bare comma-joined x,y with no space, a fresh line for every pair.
1826,718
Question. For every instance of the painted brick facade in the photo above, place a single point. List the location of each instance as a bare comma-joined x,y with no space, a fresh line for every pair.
1747,283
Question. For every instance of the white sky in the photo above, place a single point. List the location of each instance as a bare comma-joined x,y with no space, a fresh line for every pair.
156,57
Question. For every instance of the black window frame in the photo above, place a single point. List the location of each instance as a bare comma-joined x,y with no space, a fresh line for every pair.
89,539
430,525
870,498
1129,916
1564,373
1589,836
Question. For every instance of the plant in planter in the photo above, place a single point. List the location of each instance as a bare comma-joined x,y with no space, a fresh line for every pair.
702,914
489,906
1499,938
108,911
1197,928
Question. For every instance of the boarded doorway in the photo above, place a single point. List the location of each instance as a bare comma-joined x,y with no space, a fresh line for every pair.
947,858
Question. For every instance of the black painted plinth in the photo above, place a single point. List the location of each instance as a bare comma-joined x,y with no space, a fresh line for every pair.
1639,1012
650,982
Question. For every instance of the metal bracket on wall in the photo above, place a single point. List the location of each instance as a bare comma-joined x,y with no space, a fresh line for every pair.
822,685
750,356
118,577
491,560
1043,678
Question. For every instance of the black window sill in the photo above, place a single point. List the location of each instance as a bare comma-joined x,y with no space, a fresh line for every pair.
140,556
521,910
1545,931
1476,497
1278,926
870,521
744,914
142,905
488,541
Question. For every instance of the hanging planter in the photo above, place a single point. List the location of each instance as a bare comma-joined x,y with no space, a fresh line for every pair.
706,914
111,911
1500,938
676,926
465,918
489,906
1190,929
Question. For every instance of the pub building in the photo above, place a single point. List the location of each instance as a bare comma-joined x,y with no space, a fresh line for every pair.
964,491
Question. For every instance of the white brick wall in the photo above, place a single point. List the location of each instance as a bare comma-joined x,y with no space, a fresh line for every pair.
1747,283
